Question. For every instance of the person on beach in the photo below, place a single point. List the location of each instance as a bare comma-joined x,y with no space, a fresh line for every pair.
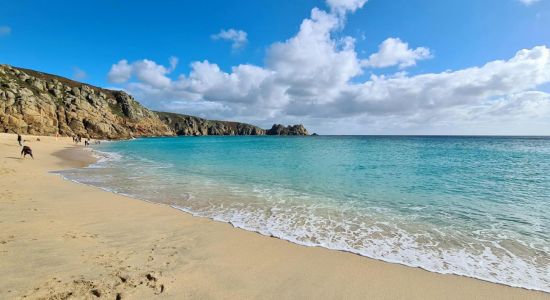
86,143
26,150
19,138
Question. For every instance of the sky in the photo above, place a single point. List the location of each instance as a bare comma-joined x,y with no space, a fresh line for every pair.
469,67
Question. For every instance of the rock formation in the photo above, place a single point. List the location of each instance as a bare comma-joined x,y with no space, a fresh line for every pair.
42,104
37,103
189,125
279,129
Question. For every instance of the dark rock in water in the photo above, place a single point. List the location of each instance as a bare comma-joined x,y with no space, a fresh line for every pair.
314,134
278,129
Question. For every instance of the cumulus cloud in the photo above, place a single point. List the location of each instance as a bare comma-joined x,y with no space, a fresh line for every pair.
528,2
146,71
394,52
313,78
120,72
341,7
427,93
312,63
5,30
151,73
238,38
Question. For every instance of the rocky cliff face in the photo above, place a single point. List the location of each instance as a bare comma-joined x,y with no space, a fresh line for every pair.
37,103
42,104
194,126
189,125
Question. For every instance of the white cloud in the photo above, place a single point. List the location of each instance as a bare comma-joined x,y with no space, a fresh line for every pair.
5,30
312,63
79,74
344,6
312,78
238,38
151,73
120,72
528,2
393,52
146,71
428,93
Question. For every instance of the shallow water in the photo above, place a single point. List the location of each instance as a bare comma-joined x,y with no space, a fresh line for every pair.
474,206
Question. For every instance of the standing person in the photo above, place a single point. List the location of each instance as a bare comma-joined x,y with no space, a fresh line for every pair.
19,138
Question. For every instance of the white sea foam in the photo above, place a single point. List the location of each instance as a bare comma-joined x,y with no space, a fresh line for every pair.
103,157
402,248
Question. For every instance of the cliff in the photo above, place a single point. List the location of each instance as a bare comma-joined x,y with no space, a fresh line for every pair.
32,102
37,103
195,126
190,125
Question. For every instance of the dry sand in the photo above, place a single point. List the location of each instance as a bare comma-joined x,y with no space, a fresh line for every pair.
60,239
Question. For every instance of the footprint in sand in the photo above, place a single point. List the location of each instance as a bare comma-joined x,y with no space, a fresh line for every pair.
6,240
153,282
76,235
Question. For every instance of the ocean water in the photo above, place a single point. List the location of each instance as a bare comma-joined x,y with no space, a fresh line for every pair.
473,206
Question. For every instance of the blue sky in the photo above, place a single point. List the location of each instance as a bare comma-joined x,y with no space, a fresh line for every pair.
85,39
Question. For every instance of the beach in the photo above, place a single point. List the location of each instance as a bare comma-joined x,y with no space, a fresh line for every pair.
60,239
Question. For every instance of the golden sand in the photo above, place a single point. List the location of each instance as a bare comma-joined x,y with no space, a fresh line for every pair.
60,239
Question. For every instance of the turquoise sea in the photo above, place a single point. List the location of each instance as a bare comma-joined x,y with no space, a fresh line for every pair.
473,206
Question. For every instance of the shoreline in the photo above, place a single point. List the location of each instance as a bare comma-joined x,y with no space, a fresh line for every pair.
194,257
237,227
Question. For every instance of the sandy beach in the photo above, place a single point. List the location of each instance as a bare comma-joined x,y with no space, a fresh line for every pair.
60,239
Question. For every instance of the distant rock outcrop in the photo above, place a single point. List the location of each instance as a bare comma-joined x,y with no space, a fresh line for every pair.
279,129
37,103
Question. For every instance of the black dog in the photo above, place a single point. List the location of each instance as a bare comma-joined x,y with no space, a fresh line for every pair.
26,150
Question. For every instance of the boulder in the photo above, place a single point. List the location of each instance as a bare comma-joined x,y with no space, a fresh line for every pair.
278,129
